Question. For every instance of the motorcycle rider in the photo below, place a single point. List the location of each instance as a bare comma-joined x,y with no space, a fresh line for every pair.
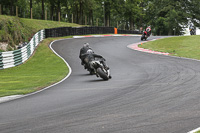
90,56
83,51
191,25
192,29
148,30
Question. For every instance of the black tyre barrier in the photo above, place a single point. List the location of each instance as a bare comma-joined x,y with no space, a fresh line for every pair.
68,31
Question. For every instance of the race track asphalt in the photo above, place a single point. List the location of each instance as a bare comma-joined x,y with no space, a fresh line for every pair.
148,93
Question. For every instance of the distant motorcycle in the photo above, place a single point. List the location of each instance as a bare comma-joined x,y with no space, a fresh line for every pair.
192,31
97,67
144,36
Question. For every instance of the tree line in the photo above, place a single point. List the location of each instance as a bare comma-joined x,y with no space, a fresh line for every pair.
166,17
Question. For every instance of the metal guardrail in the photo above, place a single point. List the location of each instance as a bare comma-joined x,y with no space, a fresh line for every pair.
19,56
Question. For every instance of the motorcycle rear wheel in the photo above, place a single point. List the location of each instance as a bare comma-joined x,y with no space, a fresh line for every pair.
102,74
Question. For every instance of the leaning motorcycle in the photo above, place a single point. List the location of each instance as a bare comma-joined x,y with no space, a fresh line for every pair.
99,69
144,36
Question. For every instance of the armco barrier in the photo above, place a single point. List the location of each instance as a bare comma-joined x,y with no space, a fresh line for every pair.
17,57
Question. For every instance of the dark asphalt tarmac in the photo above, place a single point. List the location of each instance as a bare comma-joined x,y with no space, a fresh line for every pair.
148,94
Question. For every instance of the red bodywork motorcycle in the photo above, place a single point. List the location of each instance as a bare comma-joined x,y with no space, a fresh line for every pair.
144,36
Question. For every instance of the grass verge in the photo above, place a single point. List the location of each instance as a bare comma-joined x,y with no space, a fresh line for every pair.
183,46
14,30
42,69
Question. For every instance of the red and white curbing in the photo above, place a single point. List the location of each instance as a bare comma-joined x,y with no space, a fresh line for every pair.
135,47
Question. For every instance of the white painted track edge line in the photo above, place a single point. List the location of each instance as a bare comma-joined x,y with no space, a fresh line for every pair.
195,130
14,97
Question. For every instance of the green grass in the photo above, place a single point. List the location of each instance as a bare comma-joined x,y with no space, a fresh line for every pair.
14,30
41,70
183,46
35,24
44,24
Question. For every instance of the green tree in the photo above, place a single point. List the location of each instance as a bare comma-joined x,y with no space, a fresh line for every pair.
168,17
193,9
31,6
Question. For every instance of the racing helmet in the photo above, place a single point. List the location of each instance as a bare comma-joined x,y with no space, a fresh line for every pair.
86,45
